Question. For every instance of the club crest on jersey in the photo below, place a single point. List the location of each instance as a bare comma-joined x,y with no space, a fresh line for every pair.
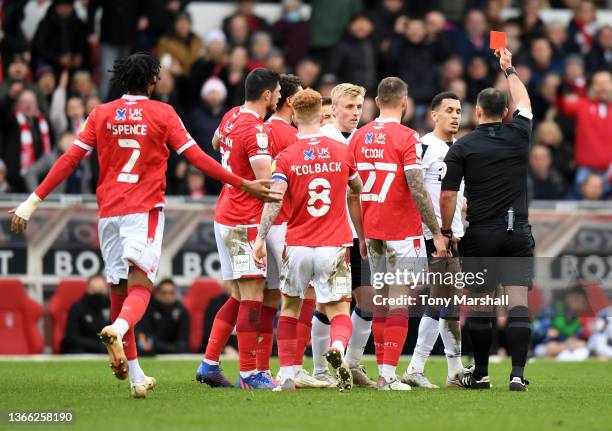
262,140
309,154
121,114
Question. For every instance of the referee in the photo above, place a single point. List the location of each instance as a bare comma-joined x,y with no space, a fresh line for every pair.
493,162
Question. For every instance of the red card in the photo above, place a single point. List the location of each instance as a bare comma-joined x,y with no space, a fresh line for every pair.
497,40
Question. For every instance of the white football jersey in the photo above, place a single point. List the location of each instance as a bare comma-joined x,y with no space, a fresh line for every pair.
332,132
434,150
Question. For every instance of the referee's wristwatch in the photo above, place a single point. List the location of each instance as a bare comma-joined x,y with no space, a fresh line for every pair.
509,71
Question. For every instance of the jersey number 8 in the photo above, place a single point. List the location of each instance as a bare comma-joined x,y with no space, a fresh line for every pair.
322,196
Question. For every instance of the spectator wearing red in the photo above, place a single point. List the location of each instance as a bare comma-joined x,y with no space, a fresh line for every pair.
582,27
26,136
593,116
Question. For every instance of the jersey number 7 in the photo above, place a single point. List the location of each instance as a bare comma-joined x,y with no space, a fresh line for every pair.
126,176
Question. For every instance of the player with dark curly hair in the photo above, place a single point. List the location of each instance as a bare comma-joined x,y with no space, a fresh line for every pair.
132,135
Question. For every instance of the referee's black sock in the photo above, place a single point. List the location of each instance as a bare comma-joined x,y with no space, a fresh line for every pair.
518,337
481,333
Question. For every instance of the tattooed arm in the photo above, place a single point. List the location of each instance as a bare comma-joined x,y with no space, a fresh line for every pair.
423,202
269,214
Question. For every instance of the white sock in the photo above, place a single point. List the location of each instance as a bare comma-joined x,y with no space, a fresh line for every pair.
388,372
450,331
286,373
359,338
245,374
320,344
428,334
337,345
136,373
209,362
297,369
121,326
380,367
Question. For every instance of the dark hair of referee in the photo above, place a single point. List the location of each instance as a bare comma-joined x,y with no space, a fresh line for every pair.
136,74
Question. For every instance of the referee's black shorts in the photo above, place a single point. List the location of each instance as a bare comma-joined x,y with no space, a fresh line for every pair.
360,269
502,257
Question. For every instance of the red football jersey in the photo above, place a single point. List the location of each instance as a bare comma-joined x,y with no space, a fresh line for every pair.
243,138
317,170
283,134
131,135
383,150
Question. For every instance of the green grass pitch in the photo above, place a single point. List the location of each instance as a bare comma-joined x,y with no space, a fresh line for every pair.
562,396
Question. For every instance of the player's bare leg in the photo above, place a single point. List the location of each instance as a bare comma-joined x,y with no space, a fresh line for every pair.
109,336
287,342
361,318
209,371
340,333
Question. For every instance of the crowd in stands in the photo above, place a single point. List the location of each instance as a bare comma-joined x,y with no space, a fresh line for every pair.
55,59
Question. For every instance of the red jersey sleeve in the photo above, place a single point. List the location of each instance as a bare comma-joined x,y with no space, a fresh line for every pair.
257,144
411,151
86,139
279,168
178,138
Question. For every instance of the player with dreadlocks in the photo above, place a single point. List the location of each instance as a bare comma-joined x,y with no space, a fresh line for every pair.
132,135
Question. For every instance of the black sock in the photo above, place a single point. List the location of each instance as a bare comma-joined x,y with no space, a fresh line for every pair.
481,333
518,337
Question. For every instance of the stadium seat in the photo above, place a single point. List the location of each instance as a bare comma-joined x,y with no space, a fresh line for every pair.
536,301
67,293
19,316
196,300
596,296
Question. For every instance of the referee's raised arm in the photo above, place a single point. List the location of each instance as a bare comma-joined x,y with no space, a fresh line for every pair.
516,88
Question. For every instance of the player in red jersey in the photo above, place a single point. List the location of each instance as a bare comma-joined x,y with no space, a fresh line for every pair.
314,173
388,160
130,135
282,134
244,141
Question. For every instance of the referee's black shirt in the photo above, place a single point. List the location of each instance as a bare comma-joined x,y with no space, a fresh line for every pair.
493,160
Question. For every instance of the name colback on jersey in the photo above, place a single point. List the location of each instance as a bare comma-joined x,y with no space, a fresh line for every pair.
317,170
130,135
384,150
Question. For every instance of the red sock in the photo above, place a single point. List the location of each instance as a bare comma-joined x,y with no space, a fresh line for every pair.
129,345
378,332
303,329
222,328
135,305
246,328
266,337
341,329
396,329
116,302
286,337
